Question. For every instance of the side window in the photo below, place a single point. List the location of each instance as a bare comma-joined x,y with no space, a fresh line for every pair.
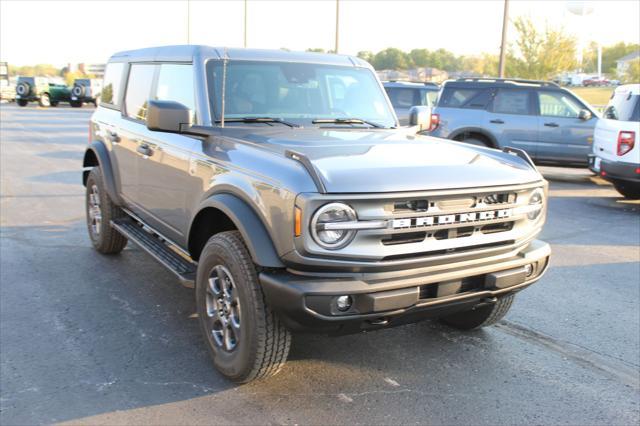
465,98
111,84
138,90
558,104
429,97
175,83
401,98
508,101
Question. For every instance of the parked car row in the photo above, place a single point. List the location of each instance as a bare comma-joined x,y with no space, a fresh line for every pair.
46,93
550,123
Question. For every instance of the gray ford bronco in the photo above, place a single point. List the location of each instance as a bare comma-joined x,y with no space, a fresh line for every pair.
280,186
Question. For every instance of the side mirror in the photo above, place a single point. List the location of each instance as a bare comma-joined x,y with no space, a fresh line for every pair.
168,116
585,114
420,116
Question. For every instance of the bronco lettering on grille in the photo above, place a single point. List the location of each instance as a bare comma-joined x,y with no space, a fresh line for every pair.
451,218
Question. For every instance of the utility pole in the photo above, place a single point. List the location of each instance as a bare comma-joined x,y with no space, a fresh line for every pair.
188,22
337,24
503,45
245,23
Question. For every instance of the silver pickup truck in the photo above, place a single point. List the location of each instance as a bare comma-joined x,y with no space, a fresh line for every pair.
280,186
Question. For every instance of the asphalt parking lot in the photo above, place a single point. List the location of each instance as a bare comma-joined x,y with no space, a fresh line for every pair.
86,338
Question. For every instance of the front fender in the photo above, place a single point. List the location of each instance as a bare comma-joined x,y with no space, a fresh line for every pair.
98,155
251,228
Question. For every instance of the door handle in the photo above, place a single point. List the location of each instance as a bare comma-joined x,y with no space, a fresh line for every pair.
552,124
497,121
145,150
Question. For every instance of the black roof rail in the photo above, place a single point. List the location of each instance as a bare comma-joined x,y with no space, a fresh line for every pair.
426,83
510,80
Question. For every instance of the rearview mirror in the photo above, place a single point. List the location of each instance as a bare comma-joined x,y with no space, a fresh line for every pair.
168,116
420,116
585,114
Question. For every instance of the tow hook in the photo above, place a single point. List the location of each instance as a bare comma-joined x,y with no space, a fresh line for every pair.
486,301
379,321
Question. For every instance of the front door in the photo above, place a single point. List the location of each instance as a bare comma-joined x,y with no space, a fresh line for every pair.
564,137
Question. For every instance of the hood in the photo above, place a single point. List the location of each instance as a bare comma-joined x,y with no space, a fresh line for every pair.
377,160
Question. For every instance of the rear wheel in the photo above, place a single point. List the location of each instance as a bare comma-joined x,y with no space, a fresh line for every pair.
45,101
476,141
101,211
54,104
482,316
23,102
245,338
628,190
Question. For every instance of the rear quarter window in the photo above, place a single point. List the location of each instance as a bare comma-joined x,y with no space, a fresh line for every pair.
112,84
623,107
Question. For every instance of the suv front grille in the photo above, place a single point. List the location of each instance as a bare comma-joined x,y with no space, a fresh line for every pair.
449,288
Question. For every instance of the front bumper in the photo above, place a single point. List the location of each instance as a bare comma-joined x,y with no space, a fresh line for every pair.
308,303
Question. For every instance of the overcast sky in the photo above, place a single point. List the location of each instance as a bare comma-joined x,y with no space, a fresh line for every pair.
59,32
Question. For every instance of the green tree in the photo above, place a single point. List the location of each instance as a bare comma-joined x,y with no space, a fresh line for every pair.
610,54
391,59
39,70
366,55
632,75
420,57
542,54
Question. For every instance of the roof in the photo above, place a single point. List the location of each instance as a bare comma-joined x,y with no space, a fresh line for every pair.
499,82
405,84
191,52
631,56
634,89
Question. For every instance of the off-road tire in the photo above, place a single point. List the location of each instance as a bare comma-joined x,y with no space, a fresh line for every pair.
263,343
482,316
107,240
22,102
44,101
628,190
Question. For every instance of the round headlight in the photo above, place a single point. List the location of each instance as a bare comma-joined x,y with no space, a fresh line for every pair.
326,215
535,201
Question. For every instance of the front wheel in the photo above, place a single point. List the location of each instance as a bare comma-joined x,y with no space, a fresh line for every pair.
23,102
482,316
245,338
76,104
101,210
628,190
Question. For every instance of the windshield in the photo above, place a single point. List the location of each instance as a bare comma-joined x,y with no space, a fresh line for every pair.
298,92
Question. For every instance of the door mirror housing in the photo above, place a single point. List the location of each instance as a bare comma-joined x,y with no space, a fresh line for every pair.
420,116
168,116
585,114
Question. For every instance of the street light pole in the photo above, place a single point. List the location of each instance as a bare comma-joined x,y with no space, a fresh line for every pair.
503,44
337,24
188,22
245,23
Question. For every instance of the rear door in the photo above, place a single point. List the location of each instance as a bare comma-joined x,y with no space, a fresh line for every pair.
164,158
564,137
512,120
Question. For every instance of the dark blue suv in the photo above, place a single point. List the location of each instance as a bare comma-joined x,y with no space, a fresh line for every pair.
550,123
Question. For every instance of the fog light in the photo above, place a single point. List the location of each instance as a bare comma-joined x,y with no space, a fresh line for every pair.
528,270
343,303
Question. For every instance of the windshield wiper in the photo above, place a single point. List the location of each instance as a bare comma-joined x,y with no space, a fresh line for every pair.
346,121
266,120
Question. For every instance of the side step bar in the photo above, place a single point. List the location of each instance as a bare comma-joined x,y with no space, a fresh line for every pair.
184,269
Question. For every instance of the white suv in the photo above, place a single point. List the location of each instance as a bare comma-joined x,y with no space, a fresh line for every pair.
616,145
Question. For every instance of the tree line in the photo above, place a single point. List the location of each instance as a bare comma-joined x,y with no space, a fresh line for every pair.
535,54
